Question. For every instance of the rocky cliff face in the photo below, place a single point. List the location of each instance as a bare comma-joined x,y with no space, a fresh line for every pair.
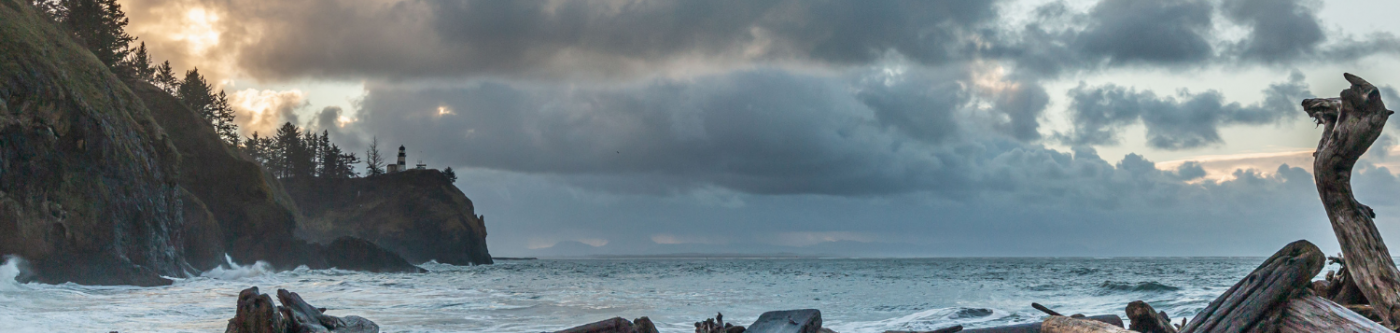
417,214
88,189
255,217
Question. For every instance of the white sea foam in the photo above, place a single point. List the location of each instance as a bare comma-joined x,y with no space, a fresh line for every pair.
232,271
9,271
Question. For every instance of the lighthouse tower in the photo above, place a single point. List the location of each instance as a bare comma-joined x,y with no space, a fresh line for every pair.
400,166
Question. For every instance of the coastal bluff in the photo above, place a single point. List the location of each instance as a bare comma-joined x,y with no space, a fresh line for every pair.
88,180
417,214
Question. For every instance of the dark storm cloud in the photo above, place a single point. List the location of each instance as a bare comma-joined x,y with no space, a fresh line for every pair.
411,39
1152,32
1280,30
1174,122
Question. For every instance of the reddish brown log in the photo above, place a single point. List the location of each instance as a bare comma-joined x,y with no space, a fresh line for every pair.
1145,319
1351,123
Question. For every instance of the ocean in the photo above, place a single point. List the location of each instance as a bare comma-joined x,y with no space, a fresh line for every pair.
854,295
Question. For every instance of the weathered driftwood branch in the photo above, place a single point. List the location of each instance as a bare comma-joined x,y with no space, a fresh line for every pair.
1311,314
1111,320
1145,319
1351,123
1062,324
257,314
1256,302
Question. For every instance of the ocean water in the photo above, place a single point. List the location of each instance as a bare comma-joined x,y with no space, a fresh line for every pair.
854,295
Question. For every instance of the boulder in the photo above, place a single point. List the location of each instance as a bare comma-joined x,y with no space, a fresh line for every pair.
88,190
790,321
418,214
360,255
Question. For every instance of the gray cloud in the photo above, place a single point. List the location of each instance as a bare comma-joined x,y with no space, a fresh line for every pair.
1280,30
1155,32
439,39
1181,122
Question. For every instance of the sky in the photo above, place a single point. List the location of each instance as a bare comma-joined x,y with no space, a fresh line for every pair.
836,128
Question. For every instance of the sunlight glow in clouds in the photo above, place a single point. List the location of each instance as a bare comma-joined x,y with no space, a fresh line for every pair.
199,31
262,111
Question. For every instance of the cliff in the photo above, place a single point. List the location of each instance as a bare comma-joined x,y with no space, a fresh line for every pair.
88,189
417,214
256,218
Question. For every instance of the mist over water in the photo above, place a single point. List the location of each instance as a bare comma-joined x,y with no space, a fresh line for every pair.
855,295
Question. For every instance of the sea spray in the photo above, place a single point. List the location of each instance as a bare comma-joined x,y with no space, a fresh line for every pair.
10,272
232,271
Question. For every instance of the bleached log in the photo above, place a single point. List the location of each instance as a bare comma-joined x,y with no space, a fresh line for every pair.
1062,324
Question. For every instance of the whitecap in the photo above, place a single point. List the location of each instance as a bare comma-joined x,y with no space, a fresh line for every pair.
232,271
9,271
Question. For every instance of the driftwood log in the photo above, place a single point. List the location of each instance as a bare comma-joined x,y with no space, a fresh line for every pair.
1309,314
1351,123
1111,320
257,314
1145,319
1256,302
615,325
1062,324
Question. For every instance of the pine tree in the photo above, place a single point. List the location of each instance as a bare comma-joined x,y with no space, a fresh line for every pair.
100,26
196,93
286,149
221,116
138,65
450,175
165,78
374,163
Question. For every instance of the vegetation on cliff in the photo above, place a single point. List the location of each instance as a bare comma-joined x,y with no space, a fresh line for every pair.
87,178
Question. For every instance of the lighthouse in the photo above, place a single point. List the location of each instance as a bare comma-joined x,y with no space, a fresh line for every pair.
401,165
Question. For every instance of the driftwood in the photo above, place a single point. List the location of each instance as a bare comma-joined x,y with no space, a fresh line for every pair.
615,325
1112,320
1145,319
257,314
1256,302
1062,324
1311,314
1351,123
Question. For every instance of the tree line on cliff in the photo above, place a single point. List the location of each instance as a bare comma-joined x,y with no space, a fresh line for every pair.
292,152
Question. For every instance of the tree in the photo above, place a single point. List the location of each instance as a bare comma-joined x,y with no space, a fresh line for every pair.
165,78
450,175
220,114
196,93
100,26
138,65
288,150
374,163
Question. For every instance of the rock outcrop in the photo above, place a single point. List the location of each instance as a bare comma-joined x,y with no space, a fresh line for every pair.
256,217
360,255
417,214
88,190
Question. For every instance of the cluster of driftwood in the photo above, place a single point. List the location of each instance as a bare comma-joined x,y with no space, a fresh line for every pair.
257,314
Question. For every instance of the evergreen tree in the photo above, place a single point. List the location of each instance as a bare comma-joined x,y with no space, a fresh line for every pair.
220,114
286,148
138,65
374,164
450,175
165,78
196,93
100,26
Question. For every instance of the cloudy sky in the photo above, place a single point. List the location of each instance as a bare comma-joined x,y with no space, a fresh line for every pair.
851,128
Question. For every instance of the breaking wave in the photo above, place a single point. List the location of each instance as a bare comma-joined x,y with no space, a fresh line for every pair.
1140,286
232,271
9,272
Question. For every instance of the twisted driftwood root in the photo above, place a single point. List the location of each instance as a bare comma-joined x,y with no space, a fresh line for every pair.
1145,319
1351,123
257,314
